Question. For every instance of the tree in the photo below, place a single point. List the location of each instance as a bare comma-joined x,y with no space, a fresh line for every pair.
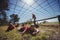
3,7
29,22
4,4
14,17
4,15
3,19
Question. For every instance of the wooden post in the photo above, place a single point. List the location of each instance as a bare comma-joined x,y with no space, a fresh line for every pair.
59,19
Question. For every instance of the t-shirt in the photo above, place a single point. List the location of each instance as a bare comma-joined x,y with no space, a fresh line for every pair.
26,28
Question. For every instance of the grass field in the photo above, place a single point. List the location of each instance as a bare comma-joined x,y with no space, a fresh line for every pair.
46,33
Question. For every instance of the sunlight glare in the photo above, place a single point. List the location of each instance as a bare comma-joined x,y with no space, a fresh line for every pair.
29,2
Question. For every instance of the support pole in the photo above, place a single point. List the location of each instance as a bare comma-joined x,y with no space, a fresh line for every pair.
59,19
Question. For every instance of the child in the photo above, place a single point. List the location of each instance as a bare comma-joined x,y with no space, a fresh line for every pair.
24,28
11,27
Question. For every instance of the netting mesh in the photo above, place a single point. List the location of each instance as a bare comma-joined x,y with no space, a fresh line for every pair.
41,8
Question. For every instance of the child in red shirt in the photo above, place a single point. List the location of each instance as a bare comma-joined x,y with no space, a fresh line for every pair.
26,29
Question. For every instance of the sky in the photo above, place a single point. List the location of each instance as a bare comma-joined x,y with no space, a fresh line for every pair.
41,8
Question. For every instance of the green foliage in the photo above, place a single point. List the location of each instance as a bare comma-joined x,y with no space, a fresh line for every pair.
29,22
4,4
14,17
3,20
3,7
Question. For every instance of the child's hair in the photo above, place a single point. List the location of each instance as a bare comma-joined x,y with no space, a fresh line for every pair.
17,25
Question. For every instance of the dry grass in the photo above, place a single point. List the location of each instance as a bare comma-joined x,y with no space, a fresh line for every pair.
44,34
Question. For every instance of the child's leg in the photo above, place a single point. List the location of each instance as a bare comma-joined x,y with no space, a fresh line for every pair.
31,32
9,28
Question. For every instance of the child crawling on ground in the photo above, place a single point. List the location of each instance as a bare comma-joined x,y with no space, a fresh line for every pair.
26,29
12,26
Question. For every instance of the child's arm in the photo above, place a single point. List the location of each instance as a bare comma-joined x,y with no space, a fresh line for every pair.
12,25
25,30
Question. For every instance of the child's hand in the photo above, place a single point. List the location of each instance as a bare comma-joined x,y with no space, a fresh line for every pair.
34,33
